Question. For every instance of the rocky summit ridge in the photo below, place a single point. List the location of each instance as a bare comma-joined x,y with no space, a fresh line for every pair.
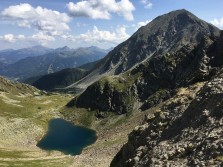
165,34
186,59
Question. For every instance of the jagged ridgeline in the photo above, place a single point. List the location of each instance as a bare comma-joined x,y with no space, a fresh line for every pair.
175,49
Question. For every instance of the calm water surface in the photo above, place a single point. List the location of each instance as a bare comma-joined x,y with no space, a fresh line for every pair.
66,137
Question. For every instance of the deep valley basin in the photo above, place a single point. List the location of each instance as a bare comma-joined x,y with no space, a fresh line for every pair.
65,137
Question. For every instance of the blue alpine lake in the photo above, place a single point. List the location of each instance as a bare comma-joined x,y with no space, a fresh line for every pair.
66,137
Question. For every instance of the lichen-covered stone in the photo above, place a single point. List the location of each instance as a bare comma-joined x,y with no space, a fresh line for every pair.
191,136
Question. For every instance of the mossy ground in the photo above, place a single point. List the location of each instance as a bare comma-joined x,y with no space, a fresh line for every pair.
27,116
220,158
120,83
24,120
39,163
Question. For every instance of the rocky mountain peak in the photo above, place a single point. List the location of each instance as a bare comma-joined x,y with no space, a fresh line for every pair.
173,30
175,22
63,49
176,49
165,34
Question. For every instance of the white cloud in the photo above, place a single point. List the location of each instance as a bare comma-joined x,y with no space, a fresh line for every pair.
79,24
95,37
45,20
11,38
218,23
8,38
21,37
100,36
41,38
101,9
147,4
140,24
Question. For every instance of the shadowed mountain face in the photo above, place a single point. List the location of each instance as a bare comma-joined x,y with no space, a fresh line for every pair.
61,79
168,33
54,61
176,49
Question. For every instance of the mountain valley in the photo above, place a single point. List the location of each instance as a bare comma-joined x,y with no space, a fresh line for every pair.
154,100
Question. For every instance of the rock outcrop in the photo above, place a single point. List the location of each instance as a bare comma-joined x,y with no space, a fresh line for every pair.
181,134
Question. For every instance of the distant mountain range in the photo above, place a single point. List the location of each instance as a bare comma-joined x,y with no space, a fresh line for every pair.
53,61
10,56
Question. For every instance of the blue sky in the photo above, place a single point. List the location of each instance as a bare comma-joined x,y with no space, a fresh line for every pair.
76,23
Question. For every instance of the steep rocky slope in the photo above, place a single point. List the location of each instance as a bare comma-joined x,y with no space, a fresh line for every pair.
194,57
166,34
180,134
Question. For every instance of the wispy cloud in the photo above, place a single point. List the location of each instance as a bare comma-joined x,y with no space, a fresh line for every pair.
218,23
101,9
8,38
11,38
147,4
99,36
140,24
91,37
39,38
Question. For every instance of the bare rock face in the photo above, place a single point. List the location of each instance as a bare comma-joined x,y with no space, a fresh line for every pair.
176,49
165,34
153,81
181,134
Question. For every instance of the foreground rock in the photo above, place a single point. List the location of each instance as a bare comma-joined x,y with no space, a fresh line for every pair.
181,134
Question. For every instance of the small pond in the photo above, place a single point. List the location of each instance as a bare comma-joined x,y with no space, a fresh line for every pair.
66,137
